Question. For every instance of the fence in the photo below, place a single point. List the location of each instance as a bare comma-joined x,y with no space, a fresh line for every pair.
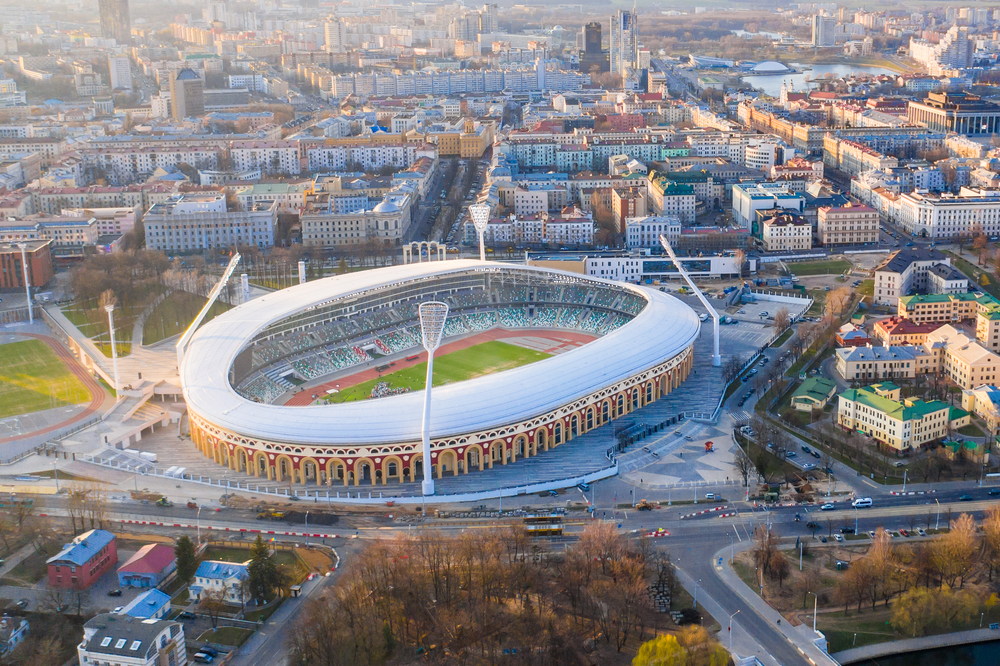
16,315
360,498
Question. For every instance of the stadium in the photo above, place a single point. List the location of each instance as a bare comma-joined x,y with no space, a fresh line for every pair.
260,380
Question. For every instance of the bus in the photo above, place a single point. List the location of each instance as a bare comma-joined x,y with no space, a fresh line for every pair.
543,524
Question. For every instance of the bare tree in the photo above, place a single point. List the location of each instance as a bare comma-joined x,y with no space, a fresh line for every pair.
781,320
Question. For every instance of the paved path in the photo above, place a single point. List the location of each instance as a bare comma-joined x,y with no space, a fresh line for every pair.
913,644
800,637
98,396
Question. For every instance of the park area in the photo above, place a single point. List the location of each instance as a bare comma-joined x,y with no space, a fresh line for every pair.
476,361
33,378
886,587
175,313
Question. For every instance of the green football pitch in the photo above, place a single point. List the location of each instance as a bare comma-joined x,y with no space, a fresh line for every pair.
476,361
33,378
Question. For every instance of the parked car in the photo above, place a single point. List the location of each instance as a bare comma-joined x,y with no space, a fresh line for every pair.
846,530
823,539
838,537
210,651
203,658
583,486
22,604
115,593
186,615
871,533
118,609
921,531
808,466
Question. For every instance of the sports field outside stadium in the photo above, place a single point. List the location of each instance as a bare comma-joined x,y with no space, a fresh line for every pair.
33,378
476,361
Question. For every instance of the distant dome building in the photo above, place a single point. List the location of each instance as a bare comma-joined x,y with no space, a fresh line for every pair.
386,207
769,67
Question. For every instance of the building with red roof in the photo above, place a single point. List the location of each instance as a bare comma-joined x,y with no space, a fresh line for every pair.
148,567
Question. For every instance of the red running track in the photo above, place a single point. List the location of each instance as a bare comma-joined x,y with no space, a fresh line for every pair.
91,384
559,339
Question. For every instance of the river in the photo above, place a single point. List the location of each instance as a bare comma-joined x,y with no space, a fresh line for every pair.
980,654
771,83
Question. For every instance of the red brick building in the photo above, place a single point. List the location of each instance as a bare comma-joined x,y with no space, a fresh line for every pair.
39,258
80,563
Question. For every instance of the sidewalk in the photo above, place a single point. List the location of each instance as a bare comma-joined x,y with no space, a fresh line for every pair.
913,644
802,636
744,643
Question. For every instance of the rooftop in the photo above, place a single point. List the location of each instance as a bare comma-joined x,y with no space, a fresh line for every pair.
83,547
902,410
124,635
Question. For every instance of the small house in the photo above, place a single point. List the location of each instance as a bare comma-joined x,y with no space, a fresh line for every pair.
148,567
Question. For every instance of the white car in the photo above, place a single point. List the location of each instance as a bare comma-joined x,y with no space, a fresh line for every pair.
838,537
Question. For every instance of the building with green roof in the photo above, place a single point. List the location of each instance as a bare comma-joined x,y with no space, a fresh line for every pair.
813,393
903,425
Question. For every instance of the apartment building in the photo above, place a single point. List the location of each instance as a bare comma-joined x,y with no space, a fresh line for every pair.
193,222
645,232
786,233
905,272
111,638
278,157
898,331
902,425
847,225
879,363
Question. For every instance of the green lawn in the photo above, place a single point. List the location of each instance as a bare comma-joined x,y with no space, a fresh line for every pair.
972,430
866,288
226,636
482,359
175,314
824,267
782,339
33,378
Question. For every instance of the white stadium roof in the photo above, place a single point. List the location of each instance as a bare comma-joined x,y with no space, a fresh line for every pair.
664,328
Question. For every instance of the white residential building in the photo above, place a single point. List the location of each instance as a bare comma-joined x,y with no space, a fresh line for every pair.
124,640
905,272
645,232
121,72
280,157
202,221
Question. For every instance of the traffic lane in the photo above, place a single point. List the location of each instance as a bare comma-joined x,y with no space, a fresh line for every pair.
697,561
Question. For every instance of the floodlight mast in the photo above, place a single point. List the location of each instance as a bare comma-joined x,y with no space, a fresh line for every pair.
480,219
716,358
432,317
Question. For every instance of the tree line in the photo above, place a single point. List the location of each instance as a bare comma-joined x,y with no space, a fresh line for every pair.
483,597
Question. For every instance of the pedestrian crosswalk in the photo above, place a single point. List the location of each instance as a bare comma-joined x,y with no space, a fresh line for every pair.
741,417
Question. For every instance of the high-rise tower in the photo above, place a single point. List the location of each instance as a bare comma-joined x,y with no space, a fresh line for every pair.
116,23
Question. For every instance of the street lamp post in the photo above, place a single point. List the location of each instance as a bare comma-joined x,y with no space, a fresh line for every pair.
815,607
114,351
937,523
480,214
56,470
27,285
732,549
307,529
432,317
199,525
731,630
855,520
